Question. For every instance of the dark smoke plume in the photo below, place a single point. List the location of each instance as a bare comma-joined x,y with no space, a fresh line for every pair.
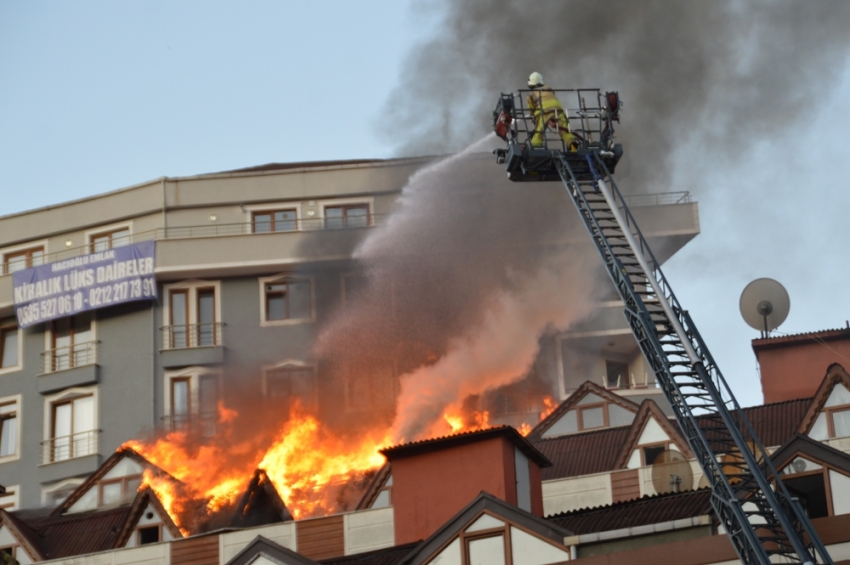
720,73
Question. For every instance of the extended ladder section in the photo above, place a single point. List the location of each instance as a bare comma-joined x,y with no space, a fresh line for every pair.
765,524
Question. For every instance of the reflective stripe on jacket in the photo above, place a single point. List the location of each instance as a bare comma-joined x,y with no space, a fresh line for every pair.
544,99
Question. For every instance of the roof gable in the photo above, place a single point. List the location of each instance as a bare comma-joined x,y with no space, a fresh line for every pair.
835,376
262,550
812,450
488,513
146,497
649,411
23,534
549,426
103,472
375,485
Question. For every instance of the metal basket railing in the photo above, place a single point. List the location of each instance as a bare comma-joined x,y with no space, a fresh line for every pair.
192,335
72,446
69,357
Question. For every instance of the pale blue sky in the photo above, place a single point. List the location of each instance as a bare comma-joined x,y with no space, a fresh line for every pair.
96,96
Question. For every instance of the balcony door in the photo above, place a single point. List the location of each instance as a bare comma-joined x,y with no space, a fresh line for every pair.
71,342
73,428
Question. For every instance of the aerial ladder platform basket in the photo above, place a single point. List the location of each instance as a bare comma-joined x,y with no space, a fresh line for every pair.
763,521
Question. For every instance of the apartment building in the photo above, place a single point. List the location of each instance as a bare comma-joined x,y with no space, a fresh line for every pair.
246,266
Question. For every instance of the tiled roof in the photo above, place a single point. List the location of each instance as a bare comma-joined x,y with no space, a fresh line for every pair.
79,533
773,423
387,556
638,512
791,339
463,438
582,454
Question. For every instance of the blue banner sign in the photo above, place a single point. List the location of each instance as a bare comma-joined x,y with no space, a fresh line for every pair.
89,282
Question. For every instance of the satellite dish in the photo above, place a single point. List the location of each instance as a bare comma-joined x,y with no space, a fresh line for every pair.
671,472
764,305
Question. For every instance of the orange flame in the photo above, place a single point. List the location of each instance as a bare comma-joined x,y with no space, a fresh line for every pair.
308,465
549,405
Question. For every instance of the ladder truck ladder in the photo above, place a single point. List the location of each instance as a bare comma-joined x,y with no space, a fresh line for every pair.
765,524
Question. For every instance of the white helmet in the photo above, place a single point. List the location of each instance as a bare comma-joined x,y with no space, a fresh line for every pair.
535,79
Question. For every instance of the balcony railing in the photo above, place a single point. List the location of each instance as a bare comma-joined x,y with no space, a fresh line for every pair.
632,382
69,447
657,199
191,335
202,424
69,357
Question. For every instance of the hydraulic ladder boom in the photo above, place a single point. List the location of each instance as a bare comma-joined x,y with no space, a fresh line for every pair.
764,523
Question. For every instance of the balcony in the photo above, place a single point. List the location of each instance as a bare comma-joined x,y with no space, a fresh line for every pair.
191,344
74,446
69,357
202,425
65,367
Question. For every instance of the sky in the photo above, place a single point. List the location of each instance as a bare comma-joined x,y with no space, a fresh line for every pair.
96,96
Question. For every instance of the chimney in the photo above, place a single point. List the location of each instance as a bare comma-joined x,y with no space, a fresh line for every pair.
434,479
793,366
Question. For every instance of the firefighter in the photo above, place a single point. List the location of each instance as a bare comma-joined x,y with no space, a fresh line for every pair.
547,111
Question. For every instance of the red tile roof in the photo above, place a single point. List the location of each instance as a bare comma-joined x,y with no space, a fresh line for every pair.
582,454
388,556
79,533
463,438
638,512
792,339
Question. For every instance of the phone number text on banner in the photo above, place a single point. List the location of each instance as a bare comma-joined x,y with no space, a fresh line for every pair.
101,279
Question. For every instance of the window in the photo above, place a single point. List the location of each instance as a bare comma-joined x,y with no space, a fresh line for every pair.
71,343
9,428
288,383
384,498
70,425
286,300
10,342
117,491
9,501
347,216
594,416
105,240
616,375
192,398
651,453
192,316
149,534
275,220
23,259
73,428
56,494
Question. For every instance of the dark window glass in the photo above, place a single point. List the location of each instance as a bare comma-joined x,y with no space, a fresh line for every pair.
148,535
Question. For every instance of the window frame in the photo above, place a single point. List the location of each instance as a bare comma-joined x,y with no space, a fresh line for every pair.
123,481
13,493
279,279
6,326
192,375
50,342
368,201
272,222
580,417
66,395
17,249
59,486
109,230
16,401
148,527
191,288
641,447
830,424
294,365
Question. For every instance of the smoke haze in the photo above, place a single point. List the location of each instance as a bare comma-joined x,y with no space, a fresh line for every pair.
724,73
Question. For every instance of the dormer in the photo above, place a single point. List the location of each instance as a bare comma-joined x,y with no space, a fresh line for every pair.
828,416
651,435
590,407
